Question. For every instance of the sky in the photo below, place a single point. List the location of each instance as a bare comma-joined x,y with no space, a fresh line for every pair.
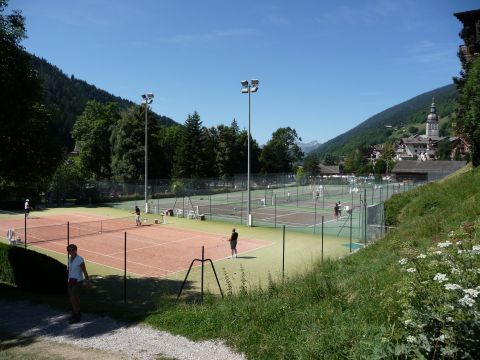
324,66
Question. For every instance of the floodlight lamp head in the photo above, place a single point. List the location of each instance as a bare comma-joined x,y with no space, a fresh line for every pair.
244,90
255,82
150,95
144,96
254,89
244,83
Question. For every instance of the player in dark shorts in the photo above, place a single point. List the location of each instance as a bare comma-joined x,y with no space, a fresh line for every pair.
233,242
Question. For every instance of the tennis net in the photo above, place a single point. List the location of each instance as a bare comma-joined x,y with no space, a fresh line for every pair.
74,229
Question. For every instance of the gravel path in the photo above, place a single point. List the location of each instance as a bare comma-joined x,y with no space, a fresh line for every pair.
103,333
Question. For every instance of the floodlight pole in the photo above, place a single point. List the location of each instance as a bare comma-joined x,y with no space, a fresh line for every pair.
247,88
249,213
147,99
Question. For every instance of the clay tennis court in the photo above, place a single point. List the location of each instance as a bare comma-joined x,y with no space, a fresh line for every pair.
155,250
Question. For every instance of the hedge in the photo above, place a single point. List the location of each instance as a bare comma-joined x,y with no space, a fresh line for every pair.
32,271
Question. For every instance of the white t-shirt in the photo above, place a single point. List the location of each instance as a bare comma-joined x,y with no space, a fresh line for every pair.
74,270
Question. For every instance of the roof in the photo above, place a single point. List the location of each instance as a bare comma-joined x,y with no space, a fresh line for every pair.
422,139
432,166
329,169
468,15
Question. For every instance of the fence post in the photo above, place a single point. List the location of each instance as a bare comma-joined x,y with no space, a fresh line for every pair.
241,210
297,195
125,270
210,201
203,259
68,237
315,217
283,255
25,231
275,207
351,216
322,239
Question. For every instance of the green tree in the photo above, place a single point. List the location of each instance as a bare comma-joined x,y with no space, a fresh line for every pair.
311,164
357,162
167,139
128,145
92,132
190,158
29,141
281,152
467,124
330,159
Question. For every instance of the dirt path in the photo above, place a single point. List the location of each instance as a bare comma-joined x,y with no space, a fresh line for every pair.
38,325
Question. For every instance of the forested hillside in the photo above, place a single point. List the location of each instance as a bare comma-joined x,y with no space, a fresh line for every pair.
69,95
373,131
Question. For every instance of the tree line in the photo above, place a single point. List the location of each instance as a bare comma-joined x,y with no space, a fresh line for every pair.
111,145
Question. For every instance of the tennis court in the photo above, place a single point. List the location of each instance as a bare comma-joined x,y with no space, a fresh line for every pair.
151,250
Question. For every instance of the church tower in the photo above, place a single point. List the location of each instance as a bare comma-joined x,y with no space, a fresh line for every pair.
432,121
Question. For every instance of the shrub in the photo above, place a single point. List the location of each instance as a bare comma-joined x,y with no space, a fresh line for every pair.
441,299
32,271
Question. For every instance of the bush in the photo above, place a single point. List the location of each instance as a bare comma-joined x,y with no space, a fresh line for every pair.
32,271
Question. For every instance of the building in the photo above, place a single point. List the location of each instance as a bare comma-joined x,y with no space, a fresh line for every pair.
470,35
422,147
423,171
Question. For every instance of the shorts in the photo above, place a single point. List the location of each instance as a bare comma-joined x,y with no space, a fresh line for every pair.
137,218
75,290
233,244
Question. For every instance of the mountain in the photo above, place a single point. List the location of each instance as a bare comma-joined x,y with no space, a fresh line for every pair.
307,147
392,123
68,96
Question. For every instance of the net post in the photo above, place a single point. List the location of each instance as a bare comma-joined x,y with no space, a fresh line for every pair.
351,215
315,217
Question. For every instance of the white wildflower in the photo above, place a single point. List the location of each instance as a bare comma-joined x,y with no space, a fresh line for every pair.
411,270
440,277
444,244
421,256
467,301
452,287
471,292
441,338
403,261
411,339
438,252
408,322
476,248
461,251
455,271
451,233
450,319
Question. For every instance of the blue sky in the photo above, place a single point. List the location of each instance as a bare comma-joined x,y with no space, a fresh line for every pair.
324,66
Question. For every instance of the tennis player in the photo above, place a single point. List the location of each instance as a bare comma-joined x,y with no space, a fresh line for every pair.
77,274
233,243
138,222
